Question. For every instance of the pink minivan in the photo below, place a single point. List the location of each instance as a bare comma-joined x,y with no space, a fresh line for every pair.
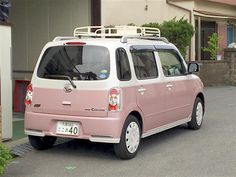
111,85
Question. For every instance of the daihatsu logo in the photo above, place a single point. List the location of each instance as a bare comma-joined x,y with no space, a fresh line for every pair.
67,89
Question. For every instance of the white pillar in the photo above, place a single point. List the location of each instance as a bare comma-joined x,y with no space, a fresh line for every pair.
6,80
103,12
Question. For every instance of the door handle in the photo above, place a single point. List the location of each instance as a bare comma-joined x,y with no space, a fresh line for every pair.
169,86
142,90
66,103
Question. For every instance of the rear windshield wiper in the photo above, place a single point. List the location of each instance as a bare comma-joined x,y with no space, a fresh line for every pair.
70,61
62,77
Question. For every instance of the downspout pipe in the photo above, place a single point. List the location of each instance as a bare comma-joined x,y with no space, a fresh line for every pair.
182,8
190,17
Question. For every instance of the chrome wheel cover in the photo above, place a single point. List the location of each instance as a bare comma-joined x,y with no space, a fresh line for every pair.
199,113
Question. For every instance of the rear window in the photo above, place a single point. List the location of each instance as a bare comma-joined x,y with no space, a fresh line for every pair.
77,62
144,64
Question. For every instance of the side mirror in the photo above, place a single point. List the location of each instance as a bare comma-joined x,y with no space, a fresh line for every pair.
193,67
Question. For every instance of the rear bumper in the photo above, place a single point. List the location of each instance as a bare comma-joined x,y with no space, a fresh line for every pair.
95,129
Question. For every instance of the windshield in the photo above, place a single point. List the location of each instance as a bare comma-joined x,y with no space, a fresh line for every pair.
76,62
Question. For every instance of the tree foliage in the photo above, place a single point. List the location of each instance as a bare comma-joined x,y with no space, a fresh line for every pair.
178,32
212,46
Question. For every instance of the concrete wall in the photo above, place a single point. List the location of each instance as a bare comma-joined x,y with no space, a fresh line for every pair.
36,22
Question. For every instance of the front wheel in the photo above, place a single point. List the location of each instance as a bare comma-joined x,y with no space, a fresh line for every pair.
42,143
197,115
130,139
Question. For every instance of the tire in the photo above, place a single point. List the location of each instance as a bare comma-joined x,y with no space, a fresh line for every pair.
42,143
130,139
197,115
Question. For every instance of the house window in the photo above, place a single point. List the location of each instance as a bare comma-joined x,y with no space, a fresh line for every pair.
230,34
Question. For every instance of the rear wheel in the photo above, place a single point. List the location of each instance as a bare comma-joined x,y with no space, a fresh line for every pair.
130,139
42,143
197,115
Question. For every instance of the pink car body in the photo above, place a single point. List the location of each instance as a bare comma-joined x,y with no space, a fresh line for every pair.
158,103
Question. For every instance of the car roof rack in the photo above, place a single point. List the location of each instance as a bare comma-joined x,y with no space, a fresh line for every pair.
123,32
115,31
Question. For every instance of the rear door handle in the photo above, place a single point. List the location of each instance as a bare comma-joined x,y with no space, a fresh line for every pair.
142,90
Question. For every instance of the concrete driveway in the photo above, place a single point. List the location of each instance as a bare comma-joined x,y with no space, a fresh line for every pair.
179,152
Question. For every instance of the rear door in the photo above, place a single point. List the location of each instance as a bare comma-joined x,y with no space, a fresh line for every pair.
71,81
150,96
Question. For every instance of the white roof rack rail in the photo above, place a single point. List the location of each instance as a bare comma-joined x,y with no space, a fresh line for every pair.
115,31
124,39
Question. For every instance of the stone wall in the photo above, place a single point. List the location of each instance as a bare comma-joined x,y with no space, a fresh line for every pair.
214,73
218,73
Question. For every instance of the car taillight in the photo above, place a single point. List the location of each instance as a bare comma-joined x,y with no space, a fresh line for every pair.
114,99
75,43
29,95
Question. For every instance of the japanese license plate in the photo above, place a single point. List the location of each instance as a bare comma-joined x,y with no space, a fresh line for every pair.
67,128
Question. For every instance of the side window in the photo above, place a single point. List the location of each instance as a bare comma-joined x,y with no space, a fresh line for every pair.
171,63
144,64
122,65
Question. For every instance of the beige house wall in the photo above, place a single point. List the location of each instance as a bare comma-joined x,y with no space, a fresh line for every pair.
122,12
37,22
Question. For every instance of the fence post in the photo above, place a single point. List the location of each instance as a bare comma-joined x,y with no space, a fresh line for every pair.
230,54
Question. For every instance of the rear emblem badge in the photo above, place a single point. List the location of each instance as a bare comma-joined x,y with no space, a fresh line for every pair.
67,89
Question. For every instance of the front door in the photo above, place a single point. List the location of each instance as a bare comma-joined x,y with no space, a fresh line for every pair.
177,86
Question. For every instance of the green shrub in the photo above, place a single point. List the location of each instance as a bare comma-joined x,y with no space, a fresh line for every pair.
212,46
178,32
5,158
152,25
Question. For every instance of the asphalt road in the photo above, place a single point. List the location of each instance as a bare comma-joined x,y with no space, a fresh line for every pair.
179,152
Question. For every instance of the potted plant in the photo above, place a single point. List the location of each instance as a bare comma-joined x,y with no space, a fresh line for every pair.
212,47
5,158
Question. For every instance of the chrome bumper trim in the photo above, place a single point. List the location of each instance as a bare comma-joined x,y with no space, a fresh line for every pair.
34,133
104,139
